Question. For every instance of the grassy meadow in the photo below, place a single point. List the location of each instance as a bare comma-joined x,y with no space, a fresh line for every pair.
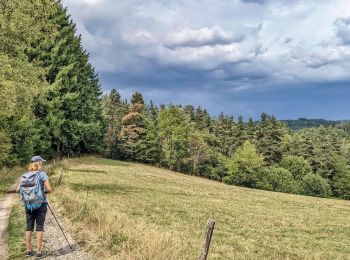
126,210
8,177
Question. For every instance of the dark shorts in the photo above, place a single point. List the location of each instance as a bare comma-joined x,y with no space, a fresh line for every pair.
36,216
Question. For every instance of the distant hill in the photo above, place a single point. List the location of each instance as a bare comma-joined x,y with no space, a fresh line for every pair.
307,123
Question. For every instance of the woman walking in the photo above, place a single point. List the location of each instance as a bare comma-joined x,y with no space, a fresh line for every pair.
33,188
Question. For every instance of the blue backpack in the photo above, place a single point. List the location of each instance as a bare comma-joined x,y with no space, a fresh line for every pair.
31,190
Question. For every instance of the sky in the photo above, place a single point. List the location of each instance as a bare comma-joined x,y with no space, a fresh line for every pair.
288,58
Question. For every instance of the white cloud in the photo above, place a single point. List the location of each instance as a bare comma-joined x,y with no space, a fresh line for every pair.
202,57
142,38
203,36
282,42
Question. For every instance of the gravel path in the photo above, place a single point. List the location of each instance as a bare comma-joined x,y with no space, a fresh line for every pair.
55,245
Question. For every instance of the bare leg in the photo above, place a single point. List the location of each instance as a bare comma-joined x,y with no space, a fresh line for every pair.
39,241
28,238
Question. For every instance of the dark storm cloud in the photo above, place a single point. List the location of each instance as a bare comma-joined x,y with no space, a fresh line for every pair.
342,27
241,57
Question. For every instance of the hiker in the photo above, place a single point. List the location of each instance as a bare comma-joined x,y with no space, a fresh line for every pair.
32,187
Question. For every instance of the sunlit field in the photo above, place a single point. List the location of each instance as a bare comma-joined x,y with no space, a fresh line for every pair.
132,211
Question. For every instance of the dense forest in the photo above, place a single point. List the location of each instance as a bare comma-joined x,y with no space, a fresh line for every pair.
307,123
52,105
49,91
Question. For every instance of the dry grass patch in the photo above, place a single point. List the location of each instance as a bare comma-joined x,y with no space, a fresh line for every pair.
132,211
106,232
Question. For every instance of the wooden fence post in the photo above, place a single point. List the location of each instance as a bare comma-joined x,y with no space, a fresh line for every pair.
207,239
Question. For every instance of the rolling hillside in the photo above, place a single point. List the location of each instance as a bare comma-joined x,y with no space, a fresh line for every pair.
126,210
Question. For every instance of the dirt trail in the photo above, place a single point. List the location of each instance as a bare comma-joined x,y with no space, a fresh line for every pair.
54,246
6,203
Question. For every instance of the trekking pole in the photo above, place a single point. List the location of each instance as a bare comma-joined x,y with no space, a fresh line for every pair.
60,226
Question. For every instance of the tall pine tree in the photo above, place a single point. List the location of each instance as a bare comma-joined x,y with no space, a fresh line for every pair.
114,109
69,112
21,23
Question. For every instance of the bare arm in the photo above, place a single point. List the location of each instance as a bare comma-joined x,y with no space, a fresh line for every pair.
48,187
18,187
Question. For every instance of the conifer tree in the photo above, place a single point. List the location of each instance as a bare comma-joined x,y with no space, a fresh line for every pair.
69,113
114,109
151,110
206,120
223,129
133,127
269,135
251,131
20,81
189,109
240,133
318,146
202,118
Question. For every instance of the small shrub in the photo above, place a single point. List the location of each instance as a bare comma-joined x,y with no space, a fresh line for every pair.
315,185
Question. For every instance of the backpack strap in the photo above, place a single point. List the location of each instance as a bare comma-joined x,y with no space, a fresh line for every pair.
40,175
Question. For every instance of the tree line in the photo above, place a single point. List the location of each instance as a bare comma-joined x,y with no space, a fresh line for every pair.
264,154
52,105
307,123
50,92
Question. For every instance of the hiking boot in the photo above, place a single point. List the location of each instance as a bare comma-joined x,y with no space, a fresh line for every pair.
38,255
28,253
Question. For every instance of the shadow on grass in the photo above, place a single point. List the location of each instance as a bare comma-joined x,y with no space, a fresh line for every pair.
85,170
101,161
3,191
105,188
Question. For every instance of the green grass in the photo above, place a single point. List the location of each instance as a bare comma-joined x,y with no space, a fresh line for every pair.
132,211
15,235
8,177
